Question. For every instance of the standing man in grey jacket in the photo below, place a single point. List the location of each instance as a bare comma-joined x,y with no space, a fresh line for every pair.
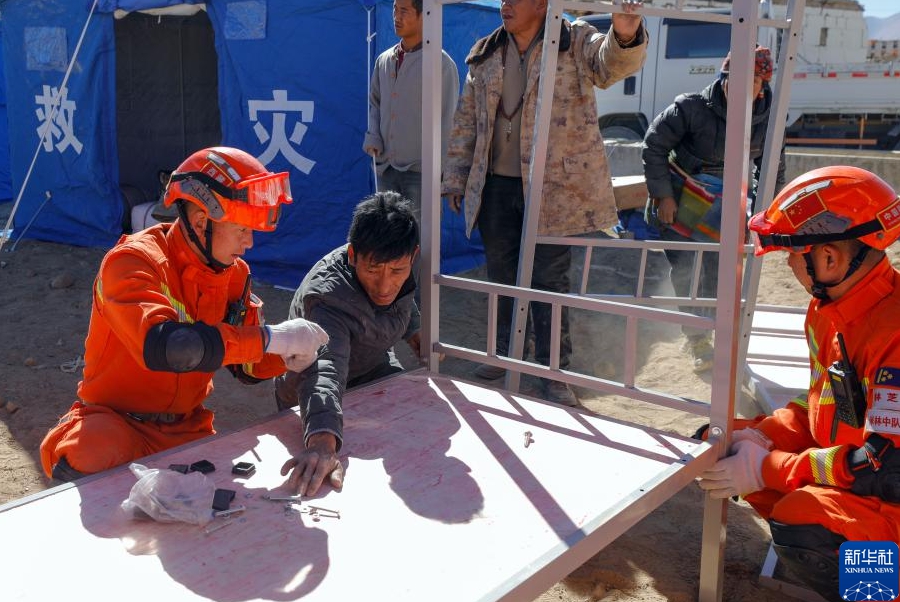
491,145
362,296
394,135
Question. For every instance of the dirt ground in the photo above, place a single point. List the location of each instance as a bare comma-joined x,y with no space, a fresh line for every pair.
45,304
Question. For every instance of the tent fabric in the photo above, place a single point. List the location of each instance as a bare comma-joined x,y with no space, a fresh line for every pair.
165,107
108,6
292,90
77,167
5,176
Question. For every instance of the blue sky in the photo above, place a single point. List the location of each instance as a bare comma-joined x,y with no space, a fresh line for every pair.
880,8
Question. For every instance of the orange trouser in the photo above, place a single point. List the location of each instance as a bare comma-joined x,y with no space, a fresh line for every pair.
840,511
94,438
856,517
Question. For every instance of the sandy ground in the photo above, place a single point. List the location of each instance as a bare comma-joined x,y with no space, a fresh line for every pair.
44,308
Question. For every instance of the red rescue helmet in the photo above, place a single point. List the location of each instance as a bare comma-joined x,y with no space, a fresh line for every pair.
230,185
829,204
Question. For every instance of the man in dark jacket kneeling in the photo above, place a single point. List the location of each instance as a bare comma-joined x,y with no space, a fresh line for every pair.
362,294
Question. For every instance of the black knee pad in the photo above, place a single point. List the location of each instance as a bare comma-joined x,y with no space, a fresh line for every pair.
810,553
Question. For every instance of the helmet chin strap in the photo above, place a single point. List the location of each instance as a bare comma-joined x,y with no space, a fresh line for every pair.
205,249
819,289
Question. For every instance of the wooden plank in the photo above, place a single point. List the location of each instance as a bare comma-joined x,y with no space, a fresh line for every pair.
442,501
630,192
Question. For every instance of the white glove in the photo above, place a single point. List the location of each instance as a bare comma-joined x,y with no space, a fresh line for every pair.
738,474
297,341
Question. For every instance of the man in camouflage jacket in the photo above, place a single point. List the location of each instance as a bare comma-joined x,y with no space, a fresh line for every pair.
491,143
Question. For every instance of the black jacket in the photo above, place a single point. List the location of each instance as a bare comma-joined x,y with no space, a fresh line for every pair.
693,128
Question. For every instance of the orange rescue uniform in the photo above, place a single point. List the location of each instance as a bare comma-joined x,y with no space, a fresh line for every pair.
807,475
149,278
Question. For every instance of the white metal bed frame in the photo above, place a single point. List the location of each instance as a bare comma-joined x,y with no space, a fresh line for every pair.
733,319
551,521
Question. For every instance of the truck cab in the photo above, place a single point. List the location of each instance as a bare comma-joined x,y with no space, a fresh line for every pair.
847,105
687,57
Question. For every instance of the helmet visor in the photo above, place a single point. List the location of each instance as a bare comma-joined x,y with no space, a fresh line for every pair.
254,202
256,217
265,190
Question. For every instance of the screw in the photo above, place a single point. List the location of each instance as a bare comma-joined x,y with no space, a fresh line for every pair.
231,511
528,439
214,528
329,512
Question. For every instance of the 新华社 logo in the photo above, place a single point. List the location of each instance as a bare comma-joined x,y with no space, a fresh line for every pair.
868,570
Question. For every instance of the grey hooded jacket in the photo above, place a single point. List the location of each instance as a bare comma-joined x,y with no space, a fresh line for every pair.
360,346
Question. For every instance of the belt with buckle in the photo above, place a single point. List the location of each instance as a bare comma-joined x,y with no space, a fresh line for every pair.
158,417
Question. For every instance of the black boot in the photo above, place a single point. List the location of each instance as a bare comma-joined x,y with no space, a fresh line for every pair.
64,473
810,553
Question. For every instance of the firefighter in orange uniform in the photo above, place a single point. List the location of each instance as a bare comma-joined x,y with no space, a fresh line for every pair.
826,468
171,305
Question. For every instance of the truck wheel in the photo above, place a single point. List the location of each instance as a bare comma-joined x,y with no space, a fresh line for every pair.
621,132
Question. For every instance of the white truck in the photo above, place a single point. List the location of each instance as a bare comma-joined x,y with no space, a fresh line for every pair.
849,105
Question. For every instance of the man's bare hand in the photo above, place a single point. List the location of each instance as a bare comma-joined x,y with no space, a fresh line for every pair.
372,151
415,343
666,208
454,201
626,24
309,470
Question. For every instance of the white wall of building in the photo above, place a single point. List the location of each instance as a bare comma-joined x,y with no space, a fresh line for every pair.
842,31
845,37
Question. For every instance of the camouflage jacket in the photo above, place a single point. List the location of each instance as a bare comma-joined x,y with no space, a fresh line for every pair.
577,195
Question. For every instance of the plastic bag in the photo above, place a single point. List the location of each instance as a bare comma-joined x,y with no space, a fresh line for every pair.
169,497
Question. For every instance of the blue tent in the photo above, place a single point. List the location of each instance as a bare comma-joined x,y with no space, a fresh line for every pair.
291,88
5,179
